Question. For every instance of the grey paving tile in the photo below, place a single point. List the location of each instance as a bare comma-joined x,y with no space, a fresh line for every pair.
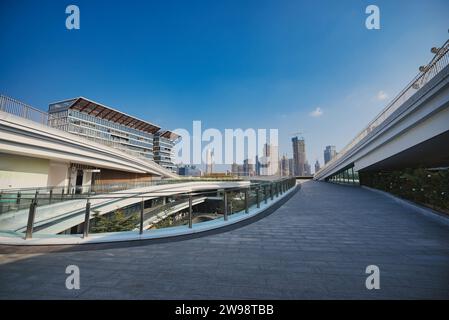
316,246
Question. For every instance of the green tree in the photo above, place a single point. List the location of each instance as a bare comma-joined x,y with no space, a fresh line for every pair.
115,222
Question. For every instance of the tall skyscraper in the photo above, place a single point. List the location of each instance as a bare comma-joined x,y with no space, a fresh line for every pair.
257,166
307,169
209,161
235,169
299,156
284,166
248,168
317,166
291,167
329,153
269,163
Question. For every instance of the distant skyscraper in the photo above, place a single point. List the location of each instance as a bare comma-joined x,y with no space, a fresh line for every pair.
307,169
248,168
329,153
209,161
291,167
317,166
191,171
284,166
269,163
235,168
299,156
257,166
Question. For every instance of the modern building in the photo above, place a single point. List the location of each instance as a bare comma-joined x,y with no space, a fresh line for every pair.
209,162
189,171
248,168
284,166
72,149
291,166
329,153
257,166
269,162
317,166
307,169
104,125
97,122
299,156
163,144
237,169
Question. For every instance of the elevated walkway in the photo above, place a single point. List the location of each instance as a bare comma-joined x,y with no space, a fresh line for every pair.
55,218
412,131
317,245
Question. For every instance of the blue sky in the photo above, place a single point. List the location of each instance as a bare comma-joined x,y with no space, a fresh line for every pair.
230,64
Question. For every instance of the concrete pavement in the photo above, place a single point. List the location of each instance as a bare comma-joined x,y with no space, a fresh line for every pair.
316,246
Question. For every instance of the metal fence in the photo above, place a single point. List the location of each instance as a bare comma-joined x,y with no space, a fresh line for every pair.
23,110
438,63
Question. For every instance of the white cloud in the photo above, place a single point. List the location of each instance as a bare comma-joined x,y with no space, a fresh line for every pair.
382,95
316,113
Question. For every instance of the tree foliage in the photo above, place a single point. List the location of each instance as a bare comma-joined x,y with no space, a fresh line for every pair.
426,186
115,222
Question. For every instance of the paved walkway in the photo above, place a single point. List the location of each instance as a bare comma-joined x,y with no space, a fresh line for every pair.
317,245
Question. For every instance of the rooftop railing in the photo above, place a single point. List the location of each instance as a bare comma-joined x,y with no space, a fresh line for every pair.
23,110
438,63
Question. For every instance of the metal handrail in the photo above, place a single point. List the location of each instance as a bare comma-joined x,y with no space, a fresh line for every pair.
15,200
23,110
116,194
251,198
438,63
118,186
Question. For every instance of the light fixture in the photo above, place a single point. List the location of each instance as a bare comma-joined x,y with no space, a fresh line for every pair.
435,50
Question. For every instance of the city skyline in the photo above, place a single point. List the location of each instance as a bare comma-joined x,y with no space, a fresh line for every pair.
157,80
203,151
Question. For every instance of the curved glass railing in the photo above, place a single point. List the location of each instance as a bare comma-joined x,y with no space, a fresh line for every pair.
136,210
15,199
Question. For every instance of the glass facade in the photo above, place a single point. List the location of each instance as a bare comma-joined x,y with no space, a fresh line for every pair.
348,176
130,140
163,152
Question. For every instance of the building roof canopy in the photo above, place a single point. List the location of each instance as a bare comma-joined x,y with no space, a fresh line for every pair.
103,112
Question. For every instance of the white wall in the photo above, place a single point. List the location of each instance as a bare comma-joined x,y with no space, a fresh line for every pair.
87,180
58,174
22,172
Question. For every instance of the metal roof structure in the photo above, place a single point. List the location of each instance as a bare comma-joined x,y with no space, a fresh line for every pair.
169,135
101,111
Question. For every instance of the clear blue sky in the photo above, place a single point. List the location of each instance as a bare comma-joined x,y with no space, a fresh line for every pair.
247,64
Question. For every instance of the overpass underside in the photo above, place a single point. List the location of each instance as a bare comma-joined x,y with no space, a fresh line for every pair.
405,149
431,154
411,131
